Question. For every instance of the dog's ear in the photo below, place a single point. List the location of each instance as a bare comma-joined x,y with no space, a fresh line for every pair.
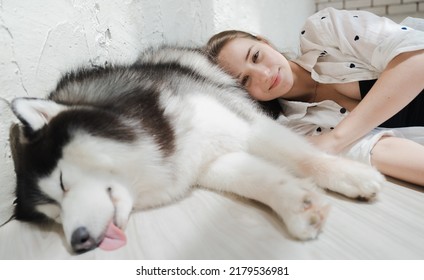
35,113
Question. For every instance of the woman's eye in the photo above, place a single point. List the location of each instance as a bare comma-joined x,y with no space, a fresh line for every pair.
255,57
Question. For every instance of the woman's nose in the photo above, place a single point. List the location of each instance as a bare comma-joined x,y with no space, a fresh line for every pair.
262,74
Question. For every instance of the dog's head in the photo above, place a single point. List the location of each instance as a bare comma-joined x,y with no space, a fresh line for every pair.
65,172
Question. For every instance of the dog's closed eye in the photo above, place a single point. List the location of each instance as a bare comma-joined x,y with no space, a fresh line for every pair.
62,186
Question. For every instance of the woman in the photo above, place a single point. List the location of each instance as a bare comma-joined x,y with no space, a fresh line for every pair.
367,64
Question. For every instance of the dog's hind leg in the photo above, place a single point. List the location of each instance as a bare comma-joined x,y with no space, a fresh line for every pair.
278,144
297,201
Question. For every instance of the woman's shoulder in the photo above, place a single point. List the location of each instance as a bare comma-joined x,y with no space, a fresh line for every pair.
335,16
323,21
324,13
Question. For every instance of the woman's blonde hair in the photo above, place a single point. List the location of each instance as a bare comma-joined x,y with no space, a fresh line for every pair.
218,41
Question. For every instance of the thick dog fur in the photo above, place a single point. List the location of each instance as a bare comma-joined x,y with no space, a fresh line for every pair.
110,140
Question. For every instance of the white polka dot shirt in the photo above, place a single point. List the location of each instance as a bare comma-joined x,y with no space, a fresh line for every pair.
339,46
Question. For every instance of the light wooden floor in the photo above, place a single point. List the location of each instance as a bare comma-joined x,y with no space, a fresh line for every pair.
208,225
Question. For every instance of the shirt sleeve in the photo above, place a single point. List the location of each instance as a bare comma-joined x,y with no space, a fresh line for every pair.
340,45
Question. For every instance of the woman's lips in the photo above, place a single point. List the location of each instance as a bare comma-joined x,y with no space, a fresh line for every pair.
275,81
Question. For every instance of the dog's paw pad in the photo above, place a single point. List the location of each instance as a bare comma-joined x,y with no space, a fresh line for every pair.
307,203
306,222
316,219
368,197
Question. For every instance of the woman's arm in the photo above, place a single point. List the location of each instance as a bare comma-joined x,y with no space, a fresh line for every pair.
398,85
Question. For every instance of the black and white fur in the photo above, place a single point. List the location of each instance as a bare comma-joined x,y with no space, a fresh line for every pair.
110,140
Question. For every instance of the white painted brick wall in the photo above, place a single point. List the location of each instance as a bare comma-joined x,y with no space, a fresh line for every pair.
379,7
323,5
385,2
409,1
357,4
402,9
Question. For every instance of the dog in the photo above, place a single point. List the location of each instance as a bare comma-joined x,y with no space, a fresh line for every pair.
115,139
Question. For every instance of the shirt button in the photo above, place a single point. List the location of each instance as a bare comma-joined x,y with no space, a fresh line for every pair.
343,110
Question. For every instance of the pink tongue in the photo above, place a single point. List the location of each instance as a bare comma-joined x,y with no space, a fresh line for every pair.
114,238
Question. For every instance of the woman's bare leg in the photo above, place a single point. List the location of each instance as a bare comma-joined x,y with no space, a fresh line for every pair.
399,158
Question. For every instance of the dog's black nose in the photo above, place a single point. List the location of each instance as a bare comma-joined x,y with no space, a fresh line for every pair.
81,240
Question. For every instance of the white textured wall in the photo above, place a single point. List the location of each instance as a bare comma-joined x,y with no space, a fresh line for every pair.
41,39
397,10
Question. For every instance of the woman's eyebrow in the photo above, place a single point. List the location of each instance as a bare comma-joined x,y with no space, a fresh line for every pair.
248,53
246,58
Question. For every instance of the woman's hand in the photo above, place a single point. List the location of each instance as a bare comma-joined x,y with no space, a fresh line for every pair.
326,142
396,87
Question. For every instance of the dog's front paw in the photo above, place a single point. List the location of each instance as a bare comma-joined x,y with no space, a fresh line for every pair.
306,213
123,204
121,219
355,180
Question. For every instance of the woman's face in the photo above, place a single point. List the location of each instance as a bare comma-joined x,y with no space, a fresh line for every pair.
263,71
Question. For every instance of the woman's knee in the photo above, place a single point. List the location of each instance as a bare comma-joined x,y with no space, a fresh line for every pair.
381,150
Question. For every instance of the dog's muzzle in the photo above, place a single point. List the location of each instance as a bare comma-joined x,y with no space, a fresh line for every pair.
112,239
81,241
